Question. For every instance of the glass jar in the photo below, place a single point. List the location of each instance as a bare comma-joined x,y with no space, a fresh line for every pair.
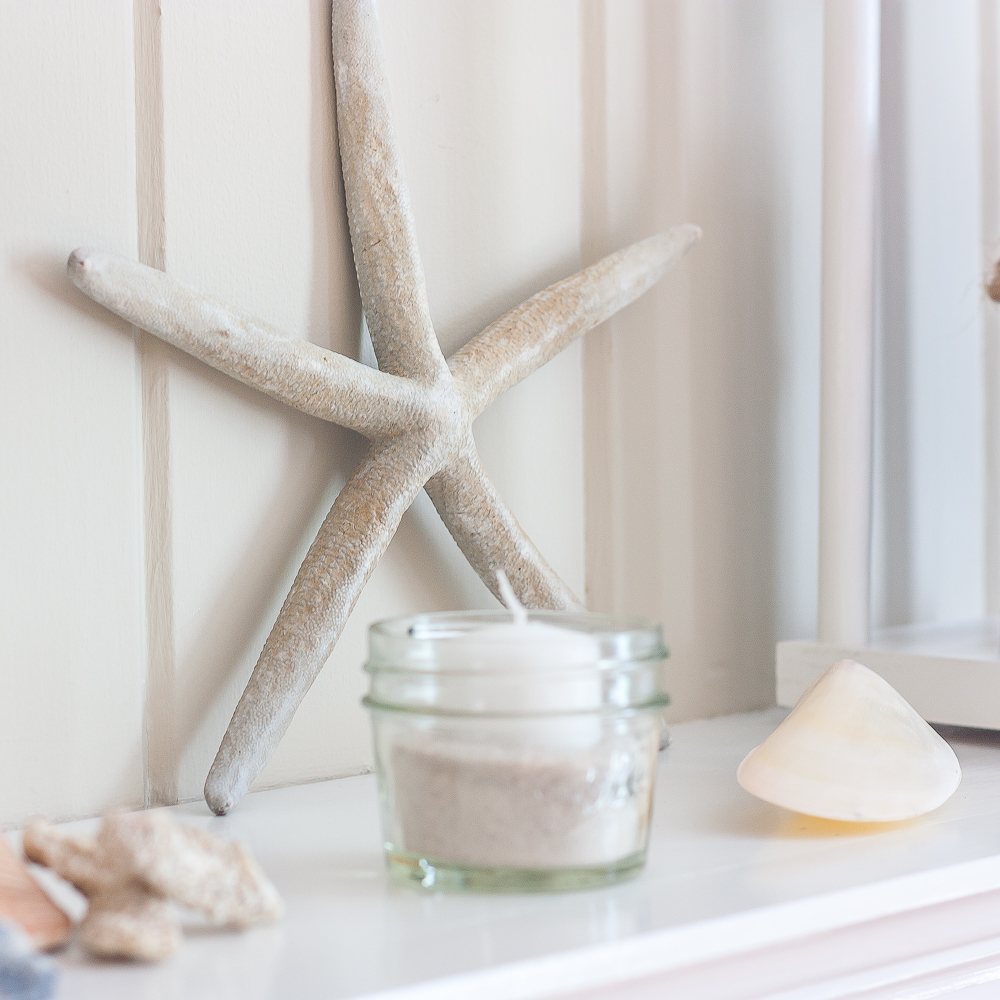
515,758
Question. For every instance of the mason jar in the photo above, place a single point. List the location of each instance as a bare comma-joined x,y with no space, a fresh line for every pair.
515,757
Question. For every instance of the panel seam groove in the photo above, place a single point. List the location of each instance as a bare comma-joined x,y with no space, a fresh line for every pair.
159,741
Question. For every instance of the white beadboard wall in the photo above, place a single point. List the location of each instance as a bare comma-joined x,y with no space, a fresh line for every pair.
707,484
72,658
155,512
152,512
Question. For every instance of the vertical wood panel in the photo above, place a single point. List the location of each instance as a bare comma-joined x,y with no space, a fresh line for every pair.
752,110
598,346
487,100
254,214
159,723
71,649
712,117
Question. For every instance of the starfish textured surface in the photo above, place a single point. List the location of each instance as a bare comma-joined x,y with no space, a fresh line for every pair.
416,410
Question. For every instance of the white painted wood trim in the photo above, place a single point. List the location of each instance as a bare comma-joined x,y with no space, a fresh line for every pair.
71,611
949,673
739,901
850,157
158,723
910,954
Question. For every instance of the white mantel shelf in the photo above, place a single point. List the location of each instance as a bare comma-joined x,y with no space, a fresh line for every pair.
739,899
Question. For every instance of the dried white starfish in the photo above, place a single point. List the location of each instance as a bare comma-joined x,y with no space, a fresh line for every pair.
416,410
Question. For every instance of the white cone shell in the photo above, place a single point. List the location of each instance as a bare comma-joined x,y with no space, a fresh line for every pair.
852,749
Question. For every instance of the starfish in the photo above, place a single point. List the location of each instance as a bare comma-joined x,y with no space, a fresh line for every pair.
416,408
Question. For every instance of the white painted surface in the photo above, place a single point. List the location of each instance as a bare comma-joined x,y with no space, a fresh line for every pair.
948,673
702,510
478,96
254,215
739,899
850,174
71,625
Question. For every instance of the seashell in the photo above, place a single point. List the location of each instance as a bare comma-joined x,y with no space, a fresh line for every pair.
852,749
23,901
137,866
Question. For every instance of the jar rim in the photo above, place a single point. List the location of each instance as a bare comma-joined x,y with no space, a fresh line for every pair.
600,622
408,643
459,663
660,701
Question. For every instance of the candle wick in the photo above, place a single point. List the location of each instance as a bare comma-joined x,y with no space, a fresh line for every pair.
514,606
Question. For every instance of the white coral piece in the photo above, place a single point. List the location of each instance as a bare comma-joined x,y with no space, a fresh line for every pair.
142,866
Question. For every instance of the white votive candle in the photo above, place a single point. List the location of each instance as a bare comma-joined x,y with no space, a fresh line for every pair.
534,669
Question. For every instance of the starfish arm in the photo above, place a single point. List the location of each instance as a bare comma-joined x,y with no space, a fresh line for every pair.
294,371
383,234
537,330
490,537
346,550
